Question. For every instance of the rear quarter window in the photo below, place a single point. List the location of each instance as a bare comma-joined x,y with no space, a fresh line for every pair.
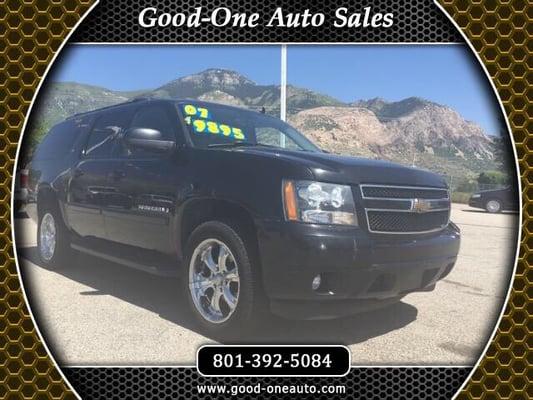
59,141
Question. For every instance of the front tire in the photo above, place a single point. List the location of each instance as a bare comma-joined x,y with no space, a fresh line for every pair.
222,289
53,239
493,206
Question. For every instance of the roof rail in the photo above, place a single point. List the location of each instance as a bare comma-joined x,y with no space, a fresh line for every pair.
142,98
107,107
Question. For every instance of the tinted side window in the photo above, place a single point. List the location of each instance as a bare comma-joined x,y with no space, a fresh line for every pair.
154,117
106,130
60,140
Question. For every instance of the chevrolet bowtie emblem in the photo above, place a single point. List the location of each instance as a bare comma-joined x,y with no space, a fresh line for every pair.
420,205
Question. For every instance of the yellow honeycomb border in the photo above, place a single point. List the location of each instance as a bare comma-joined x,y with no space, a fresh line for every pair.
33,30
501,32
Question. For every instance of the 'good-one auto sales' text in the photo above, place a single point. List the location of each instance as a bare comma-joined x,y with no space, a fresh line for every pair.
224,17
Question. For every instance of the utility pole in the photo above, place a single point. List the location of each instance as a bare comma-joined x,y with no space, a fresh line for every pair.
283,94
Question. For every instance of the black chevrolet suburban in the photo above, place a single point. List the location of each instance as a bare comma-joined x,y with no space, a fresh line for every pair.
496,200
245,209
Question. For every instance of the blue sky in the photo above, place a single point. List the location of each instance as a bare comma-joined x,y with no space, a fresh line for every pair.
446,74
147,67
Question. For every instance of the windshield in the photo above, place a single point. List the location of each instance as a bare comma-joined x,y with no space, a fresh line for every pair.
211,125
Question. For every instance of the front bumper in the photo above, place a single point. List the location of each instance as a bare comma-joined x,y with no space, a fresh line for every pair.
359,271
476,202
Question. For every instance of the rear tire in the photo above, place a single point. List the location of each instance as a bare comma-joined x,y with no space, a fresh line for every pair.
53,238
223,289
493,206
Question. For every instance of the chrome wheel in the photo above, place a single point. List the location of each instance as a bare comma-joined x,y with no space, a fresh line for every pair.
47,237
214,281
493,206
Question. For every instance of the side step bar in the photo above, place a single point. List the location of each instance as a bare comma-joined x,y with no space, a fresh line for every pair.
169,272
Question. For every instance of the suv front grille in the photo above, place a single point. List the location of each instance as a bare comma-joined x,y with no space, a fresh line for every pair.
405,209
398,222
397,192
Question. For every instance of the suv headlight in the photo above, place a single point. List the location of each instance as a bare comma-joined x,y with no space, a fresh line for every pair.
476,196
318,203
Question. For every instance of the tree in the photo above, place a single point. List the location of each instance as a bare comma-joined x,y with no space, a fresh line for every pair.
492,178
503,152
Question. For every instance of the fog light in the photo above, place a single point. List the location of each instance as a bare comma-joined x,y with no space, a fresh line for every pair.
317,280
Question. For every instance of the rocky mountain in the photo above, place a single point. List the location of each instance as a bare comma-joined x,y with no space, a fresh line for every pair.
386,110
57,101
410,131
60,100
233,88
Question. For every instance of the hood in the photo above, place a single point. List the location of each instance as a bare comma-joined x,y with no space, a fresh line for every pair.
352,170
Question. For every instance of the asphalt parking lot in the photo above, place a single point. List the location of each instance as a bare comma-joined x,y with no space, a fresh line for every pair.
100,313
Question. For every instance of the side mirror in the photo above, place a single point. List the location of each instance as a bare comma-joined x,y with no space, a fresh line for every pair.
148,139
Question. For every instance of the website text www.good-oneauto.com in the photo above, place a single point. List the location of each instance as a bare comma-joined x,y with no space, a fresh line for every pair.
259,388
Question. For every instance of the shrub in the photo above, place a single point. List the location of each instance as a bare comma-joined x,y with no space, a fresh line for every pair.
460,197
